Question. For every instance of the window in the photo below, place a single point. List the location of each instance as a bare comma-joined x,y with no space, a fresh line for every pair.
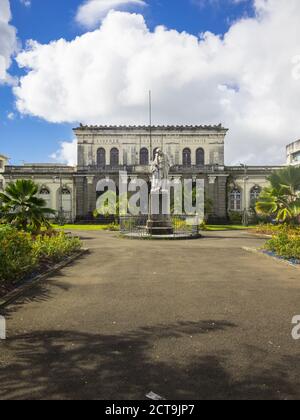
66,191
187,158
101,158
46,196
296,157
66,200
254,194
44,191
144,156
235,200
200,157
114,157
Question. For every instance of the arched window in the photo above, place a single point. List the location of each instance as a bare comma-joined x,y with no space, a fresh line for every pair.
235,200
44,191
101,158
187,158
66,200
144,156
200,157
114,157
254,194
46,196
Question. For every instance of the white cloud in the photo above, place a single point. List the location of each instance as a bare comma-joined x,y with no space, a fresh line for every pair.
26,3
8,41
11,116
91,12
245,80
67,153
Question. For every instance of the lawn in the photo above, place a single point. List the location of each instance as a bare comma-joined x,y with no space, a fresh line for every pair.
86,227
116,227
214,228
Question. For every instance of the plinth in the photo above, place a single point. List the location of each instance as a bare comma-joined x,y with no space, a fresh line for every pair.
159,222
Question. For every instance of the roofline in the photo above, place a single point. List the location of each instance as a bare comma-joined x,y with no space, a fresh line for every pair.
237,168
291,144
155,127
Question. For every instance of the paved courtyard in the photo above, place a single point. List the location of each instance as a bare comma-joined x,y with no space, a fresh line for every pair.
199,319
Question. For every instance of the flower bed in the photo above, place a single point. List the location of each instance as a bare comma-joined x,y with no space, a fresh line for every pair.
269,229
22,255
285,245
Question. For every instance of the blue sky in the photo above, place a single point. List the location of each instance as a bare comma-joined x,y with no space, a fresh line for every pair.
31,139
239,75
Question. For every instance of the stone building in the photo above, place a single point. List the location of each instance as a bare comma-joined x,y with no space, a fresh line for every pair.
293,153
195,152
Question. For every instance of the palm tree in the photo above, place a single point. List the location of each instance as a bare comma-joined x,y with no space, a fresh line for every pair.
21,207
282,198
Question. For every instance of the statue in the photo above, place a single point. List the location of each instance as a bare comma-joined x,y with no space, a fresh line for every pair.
159,222
160,169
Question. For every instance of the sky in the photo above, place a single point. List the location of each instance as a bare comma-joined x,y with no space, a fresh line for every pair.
235,62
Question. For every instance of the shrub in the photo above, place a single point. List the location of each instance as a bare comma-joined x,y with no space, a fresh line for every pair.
235,217
16,256
285,245
269,229
55,247
22,253
113,227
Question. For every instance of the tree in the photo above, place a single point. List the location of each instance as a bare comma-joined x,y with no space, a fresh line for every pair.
282,199
21,207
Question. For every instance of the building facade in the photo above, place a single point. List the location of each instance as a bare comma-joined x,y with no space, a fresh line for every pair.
293,153
195,152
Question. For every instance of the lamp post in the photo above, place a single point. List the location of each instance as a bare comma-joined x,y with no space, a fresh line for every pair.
245,212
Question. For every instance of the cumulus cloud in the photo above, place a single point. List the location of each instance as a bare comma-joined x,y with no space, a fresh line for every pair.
67,153
248,79
91,12
8,41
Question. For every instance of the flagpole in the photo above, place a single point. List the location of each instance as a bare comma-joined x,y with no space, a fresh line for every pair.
150,124
151,152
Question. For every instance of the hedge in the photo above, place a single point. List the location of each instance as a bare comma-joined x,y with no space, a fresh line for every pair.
21,254
285,245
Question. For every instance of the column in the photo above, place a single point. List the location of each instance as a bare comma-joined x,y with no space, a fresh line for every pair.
91,193
80,197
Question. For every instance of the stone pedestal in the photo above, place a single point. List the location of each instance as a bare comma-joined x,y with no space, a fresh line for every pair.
159,222
159,225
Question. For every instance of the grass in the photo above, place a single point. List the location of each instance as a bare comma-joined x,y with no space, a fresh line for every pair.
211,228
83,227
214,228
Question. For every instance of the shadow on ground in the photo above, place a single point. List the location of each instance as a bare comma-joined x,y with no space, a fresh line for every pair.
71,365
41,292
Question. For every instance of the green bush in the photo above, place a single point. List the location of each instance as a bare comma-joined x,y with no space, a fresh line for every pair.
16,256
54,248
269,229
113,227
22,253
235,217
285,245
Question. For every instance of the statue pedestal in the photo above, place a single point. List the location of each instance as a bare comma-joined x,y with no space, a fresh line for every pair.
159,222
